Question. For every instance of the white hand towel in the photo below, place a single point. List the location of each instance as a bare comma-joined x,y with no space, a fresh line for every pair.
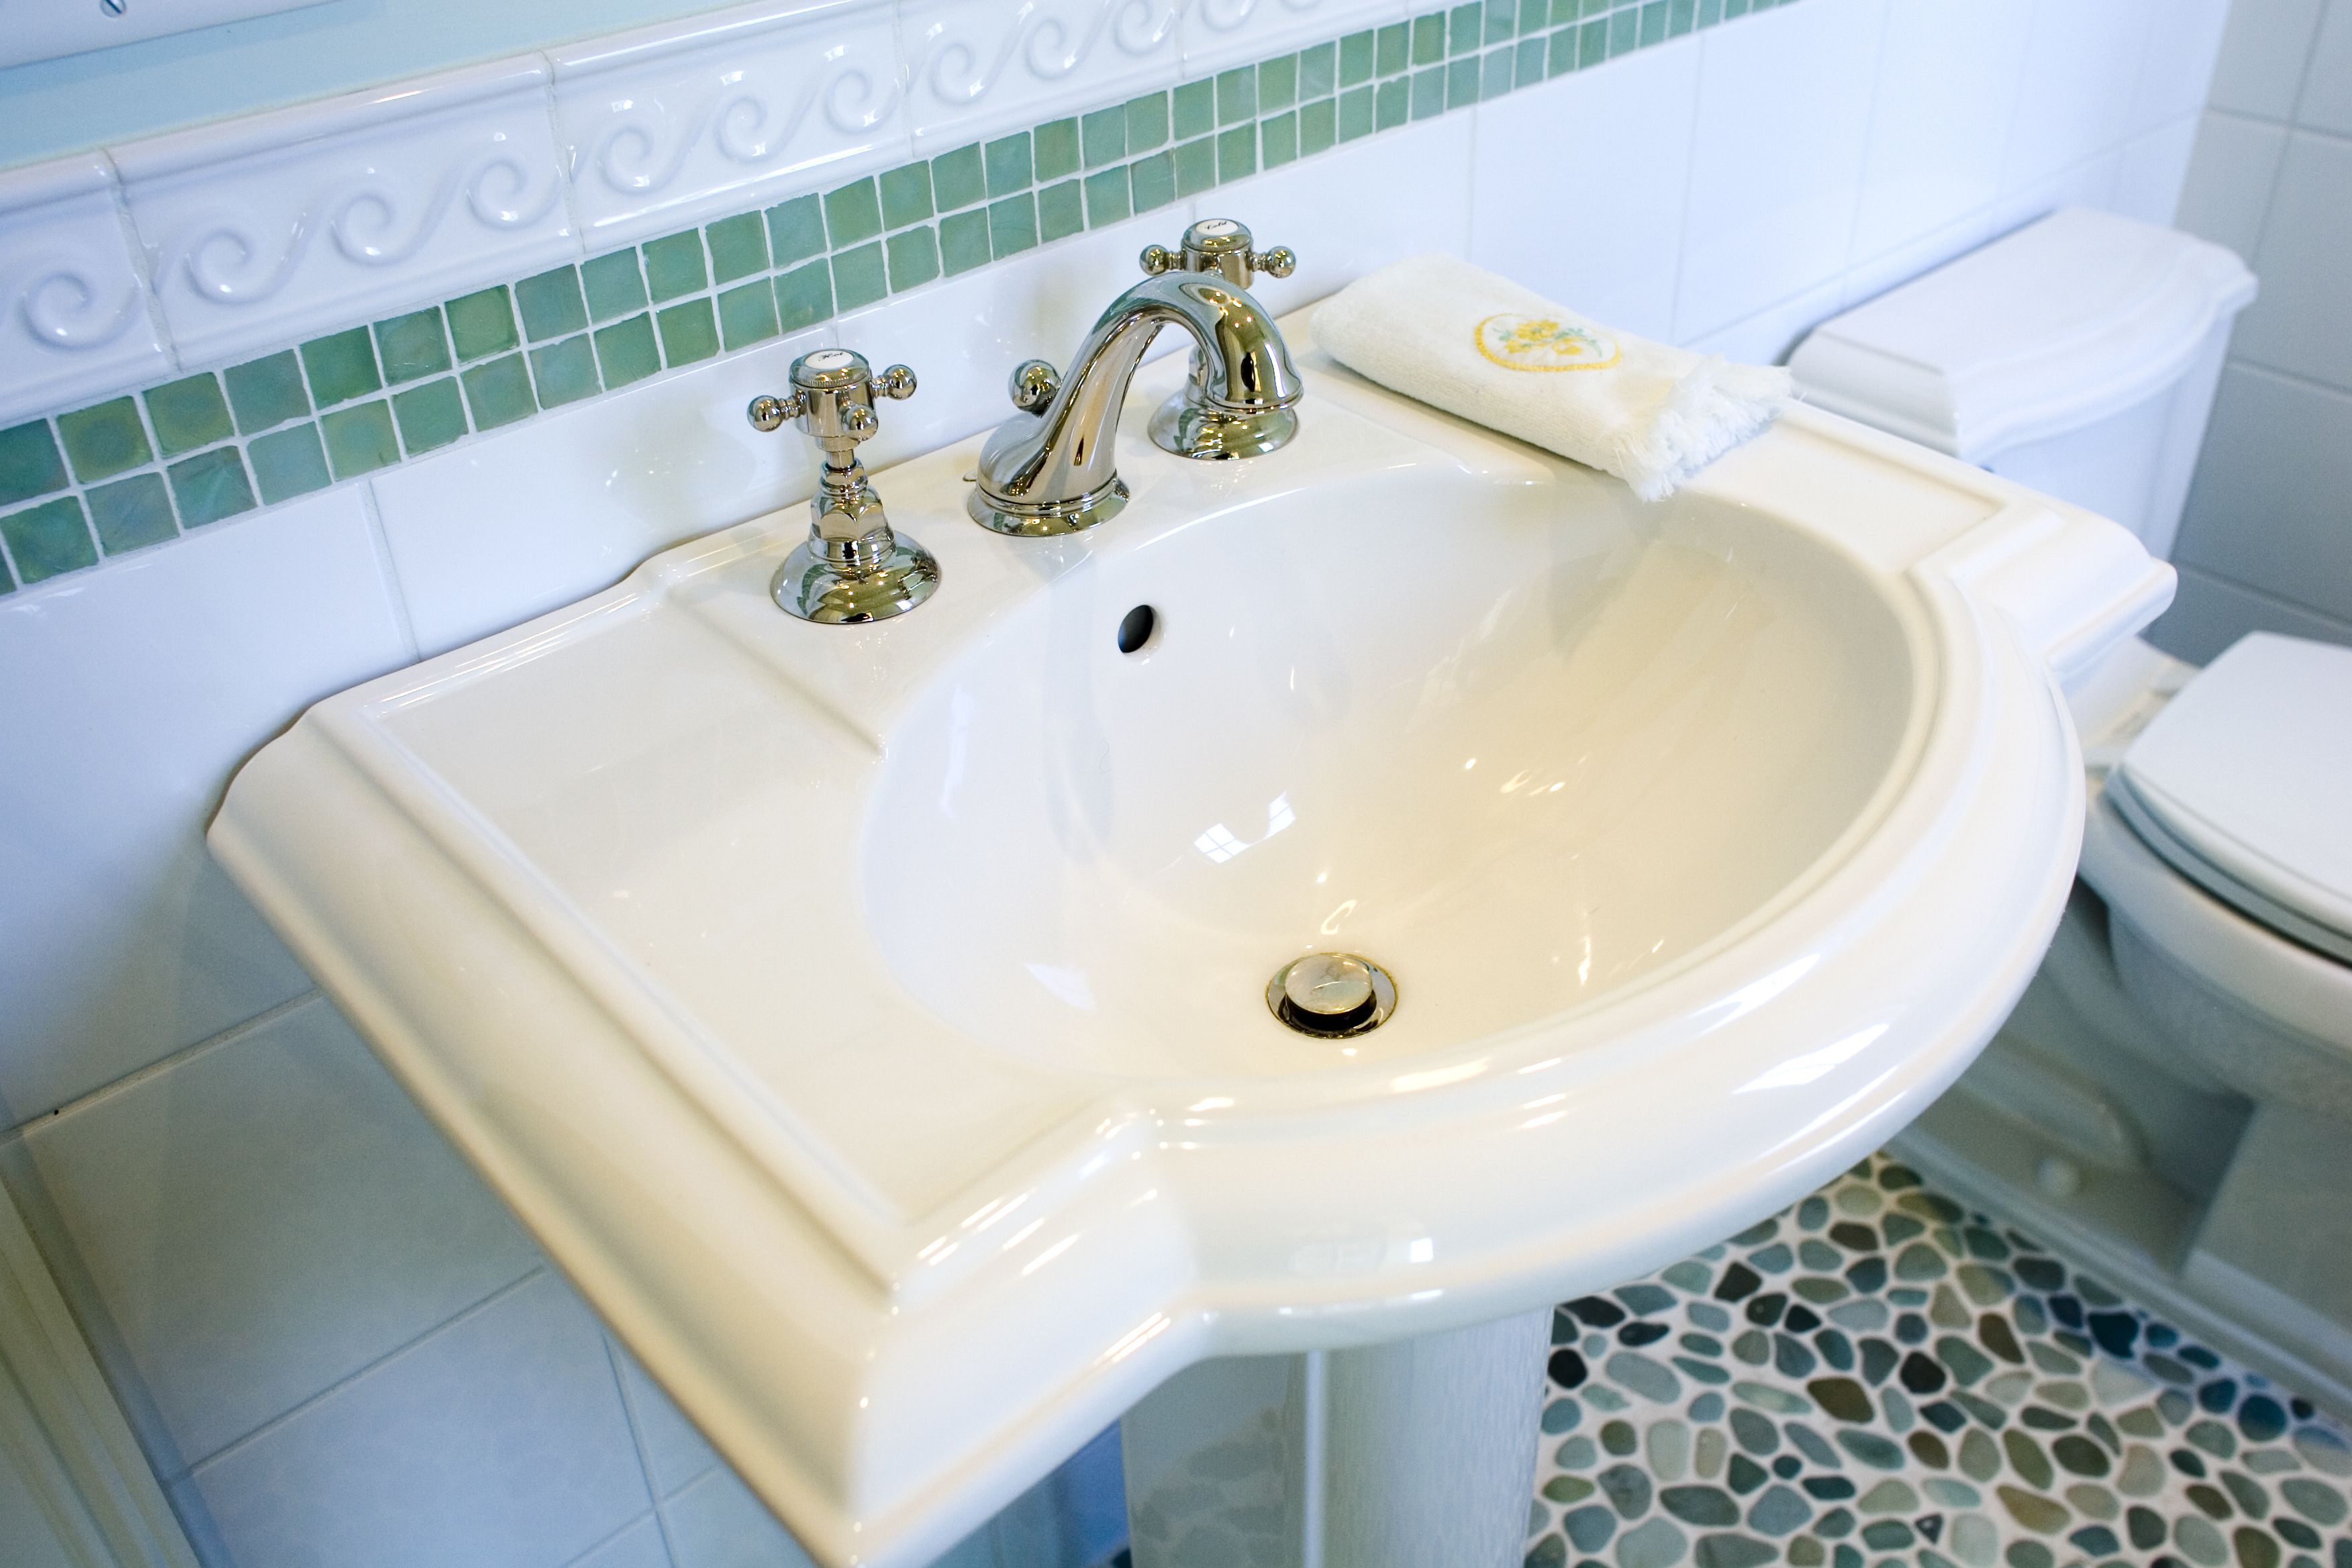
1480,346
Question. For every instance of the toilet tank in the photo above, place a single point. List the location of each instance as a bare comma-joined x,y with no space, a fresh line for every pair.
2078,355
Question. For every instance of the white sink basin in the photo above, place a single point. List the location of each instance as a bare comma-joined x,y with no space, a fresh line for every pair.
1521,746
872,1021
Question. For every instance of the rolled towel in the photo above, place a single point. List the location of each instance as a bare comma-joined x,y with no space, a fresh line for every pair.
1474,344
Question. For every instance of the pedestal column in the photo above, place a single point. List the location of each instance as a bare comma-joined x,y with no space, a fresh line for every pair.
1397,1455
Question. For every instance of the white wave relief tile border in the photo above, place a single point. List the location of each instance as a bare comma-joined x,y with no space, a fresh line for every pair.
74,322
332,213
200,247
978,67
1222,33
666,126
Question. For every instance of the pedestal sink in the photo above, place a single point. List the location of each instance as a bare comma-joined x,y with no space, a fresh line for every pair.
874,1022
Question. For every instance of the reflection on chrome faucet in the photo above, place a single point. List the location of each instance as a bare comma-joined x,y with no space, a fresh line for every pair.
1052,468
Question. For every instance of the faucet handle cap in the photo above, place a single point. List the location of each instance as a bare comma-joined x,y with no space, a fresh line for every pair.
1223,247
769,412
1033,384
832,397
1279,262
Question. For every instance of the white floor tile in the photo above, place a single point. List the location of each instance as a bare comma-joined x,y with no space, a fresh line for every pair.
2303,321
639,1546
262,1219
675,1451
132,692
1777,161
498,1443
2231,168
1577,186
977,1549
718,1523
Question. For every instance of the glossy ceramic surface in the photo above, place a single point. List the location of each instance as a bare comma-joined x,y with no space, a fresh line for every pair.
1522,771
871,1020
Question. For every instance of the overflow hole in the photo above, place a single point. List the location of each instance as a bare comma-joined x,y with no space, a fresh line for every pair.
1135,628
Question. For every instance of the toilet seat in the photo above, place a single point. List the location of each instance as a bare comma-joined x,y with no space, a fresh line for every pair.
2301,994
2243,785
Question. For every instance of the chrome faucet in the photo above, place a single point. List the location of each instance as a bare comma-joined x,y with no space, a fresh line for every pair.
852,569
1051,469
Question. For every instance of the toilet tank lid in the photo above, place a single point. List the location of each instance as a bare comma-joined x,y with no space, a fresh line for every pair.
2249,768
2046,329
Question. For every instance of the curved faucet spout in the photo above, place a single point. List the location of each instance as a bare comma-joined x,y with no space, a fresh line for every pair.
1055,470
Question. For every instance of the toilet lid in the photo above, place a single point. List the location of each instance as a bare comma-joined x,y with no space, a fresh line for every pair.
2040,334
2243,784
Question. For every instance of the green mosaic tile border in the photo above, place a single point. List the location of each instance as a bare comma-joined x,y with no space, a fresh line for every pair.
146,468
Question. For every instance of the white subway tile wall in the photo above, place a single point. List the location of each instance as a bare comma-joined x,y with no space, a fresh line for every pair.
1948,82
2265,48
1615,248
131,696
2266,543
337,1349
1776,163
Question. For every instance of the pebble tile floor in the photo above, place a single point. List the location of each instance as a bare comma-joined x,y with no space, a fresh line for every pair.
1873,1378
1877,1378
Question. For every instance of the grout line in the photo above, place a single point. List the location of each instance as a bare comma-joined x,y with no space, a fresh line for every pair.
141,264
2270,188
156,1068
637,1441
382,546
2310,383
2267,596
599,1545
16,579
567,160
535,1272
2318,133
2311,53
1869,130
2239,114
156,463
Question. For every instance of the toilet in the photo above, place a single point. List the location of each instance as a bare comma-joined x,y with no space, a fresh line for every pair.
2172,1098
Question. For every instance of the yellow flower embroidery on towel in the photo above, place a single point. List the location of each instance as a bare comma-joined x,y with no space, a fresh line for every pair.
1542,343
